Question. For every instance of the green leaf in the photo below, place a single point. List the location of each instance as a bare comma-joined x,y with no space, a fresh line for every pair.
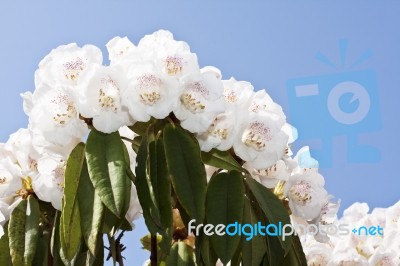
180,255
5,258
253,250
72,174
186,170
272,208
237,257
296,256
41,257
136,143
150,209
98,258
70,233
107,170
129,172
225,206
70,229
55,245
159,179
221,159
91,211
140,128
205,255
23,231
112,223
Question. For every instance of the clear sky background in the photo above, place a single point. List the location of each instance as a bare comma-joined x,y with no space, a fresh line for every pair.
276,46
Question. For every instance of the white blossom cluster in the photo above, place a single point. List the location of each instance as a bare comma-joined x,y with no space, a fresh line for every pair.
361,247
156,78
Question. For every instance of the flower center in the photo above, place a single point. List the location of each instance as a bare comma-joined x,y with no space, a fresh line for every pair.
255,107
257,135
267,172
174,65
149,86
109,93
73,68
384,261
300,192
193,97
26,189
216,130
63,108
230,95
33,164
59,174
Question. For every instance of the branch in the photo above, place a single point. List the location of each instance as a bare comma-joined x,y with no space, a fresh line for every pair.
119,248
153,254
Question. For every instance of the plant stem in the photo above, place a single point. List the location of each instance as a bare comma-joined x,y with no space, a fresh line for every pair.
120,260
119,248
153,252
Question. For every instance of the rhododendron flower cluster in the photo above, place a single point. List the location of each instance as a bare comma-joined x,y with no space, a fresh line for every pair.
160,79
361,246
157,78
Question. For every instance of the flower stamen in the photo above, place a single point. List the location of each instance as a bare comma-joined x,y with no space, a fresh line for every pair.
300,192
257,136
73,68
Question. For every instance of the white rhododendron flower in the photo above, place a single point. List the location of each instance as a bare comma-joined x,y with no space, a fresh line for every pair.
98,96
150,93
261,140
64,64
224,130
10,178
200,102
304,160
348,258
393,217
11,187
119,48
54,116
21,151
353,248
326,218
385,257
238,94
355,212
49,183
318,253
306,194
171,57
261,101
221,134
270,177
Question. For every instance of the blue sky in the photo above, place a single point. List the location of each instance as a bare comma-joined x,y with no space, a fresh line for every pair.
273,45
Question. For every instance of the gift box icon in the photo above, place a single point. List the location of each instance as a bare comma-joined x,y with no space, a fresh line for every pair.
344,103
